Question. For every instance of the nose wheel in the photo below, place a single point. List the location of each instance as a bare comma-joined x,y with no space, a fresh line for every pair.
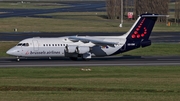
17,59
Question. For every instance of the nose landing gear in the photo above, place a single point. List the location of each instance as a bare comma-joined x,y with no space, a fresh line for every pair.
18,59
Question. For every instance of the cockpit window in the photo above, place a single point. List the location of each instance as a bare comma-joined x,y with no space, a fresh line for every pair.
23,44
19,44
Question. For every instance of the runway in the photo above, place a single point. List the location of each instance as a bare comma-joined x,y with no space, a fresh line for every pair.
156,37
106,61
82,6
76,6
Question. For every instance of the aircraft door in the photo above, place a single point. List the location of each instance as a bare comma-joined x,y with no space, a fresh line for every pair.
35,45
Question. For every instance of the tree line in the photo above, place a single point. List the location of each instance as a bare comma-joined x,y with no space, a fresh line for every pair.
177,11
138,7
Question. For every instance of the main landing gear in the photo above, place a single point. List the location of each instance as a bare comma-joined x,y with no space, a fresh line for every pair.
85,56
76,58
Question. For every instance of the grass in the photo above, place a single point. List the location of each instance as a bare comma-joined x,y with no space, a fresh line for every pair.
156,49
64,23
160,49
4,46
73,22
124,83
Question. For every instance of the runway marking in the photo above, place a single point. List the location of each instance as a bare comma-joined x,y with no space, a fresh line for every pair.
169,59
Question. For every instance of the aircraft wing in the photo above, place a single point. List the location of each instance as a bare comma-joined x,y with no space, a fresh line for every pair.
92,40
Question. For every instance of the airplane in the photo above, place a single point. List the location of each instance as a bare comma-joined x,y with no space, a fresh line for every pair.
86,47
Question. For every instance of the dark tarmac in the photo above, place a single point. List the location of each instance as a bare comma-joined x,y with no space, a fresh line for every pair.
156,37
104,61
76,6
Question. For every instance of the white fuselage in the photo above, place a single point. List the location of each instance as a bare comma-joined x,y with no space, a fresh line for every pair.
56,47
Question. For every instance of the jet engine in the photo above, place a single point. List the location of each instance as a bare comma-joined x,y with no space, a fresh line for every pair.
82,49
70,48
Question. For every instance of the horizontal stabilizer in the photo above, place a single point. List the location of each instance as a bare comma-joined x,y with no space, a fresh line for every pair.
154,15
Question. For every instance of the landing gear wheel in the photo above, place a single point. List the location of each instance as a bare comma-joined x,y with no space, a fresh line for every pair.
18,59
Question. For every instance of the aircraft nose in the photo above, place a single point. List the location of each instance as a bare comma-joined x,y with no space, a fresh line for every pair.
9,52
12,51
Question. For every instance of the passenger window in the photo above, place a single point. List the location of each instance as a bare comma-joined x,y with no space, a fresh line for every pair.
44,45
49,44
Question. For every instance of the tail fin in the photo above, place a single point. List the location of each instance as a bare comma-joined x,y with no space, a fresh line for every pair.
138,35
142,28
